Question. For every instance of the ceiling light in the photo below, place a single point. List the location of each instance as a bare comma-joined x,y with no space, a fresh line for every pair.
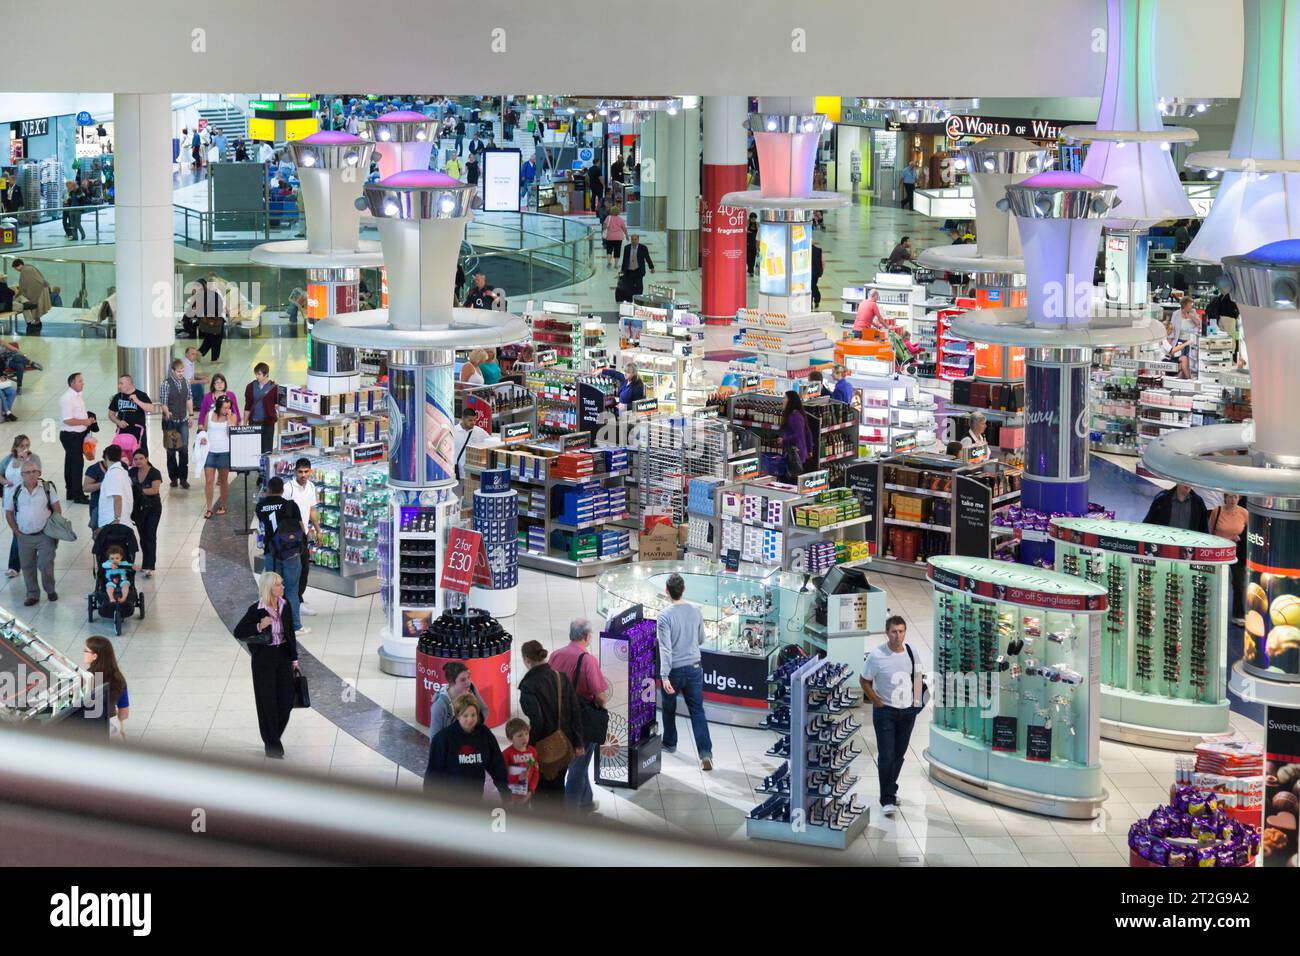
771,126
1212,174
1120,145
1201,107
912,115
384,135
604,112
390,208
989,164
672,111
447,203
309,159
1165,147
572,111
353,159
960,164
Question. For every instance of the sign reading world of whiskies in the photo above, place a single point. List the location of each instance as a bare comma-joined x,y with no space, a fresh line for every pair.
961,125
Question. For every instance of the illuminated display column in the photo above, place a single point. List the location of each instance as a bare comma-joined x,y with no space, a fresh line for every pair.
785,202
144,247
722,227
421,216
1259,199
403,139
1130,148
332,167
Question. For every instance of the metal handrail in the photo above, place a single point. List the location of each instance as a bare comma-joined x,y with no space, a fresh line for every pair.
62,781
26,220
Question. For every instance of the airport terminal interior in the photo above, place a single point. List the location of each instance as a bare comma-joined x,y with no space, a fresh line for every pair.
799,465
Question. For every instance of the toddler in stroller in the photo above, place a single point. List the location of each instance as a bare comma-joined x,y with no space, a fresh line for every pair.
115,597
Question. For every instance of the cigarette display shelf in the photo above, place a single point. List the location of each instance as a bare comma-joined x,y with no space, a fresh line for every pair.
896,415
671,451
809,798
955,356
900,300
569,401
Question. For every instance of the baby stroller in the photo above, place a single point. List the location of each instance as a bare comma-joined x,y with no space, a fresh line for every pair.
124,537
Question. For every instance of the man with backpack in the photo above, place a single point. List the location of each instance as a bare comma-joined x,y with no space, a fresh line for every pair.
284,536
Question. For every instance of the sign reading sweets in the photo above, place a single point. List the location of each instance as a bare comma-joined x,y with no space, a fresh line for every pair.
465,563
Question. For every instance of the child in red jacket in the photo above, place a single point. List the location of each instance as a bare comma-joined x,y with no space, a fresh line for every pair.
522,770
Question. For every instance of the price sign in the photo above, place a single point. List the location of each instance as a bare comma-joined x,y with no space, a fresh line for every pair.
814,481
1038,746
1004,734
749,383
731,559
516,432
465,563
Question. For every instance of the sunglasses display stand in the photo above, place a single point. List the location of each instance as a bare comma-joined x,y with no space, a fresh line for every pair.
1016,691
49,685
809,798
1164,654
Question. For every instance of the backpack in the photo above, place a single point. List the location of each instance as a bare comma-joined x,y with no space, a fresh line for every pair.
287,542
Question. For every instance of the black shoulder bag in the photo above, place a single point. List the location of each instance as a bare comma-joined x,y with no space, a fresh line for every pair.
595,719
924,693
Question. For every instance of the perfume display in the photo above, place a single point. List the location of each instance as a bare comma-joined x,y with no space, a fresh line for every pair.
1164,633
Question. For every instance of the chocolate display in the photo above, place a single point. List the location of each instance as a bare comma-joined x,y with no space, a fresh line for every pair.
1194,831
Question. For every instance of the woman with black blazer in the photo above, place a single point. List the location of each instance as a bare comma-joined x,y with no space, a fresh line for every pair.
550,705
267,627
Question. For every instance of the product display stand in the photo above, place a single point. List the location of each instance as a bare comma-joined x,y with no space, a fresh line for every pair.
809,798
896,416
1164,638
1016,686
773,526
502,408
560,328
496,518
47,686
472,637
631,753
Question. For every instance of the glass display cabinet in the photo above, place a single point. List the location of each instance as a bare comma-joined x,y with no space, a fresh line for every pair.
1016,686
1164,636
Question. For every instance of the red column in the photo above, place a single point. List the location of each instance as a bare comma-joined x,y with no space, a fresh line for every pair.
722,245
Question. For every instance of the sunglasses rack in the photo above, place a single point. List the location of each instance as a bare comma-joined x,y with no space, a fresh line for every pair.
1164,633
808,798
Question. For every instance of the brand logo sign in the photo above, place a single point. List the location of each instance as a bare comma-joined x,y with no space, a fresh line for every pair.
962,125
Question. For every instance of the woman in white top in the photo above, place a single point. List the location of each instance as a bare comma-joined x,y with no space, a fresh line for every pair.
11,476
1184,334
975,446
469,372
216,435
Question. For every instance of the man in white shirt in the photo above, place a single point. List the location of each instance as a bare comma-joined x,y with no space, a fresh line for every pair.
73,422
31,506
116,498
892,680
264,152
466,433
302,492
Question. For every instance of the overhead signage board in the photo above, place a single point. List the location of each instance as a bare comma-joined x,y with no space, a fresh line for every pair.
962,125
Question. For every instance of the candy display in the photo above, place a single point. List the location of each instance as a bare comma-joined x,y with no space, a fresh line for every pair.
628,657
1192,830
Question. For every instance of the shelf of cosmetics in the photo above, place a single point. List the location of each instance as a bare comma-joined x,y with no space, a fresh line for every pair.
560,329
809,796
1137,399
350,501
46,685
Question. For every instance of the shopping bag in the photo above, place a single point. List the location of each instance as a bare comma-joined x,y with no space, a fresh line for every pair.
88,449
199,453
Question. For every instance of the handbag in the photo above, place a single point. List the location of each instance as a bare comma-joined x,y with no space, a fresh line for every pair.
555,750
301,692
56,527
172,437
595,719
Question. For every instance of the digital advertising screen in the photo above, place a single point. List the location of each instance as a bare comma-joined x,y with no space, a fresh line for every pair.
774,277
501,180
800,259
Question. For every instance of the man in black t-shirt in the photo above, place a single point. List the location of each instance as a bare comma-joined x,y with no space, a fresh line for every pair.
274,511
127,410
481,296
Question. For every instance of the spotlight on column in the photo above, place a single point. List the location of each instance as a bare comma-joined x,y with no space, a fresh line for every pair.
409,138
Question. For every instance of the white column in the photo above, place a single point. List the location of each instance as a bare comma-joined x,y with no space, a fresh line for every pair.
683,178
144,244
654,170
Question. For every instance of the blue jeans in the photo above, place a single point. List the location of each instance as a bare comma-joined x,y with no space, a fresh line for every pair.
577,784
893,732
8,393
289,569
688,682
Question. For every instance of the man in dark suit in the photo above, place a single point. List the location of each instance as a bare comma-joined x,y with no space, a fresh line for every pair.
636,259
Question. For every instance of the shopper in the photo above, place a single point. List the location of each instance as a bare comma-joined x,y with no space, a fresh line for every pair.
192,375
974,445
894,684
908,179
100,659
1179,507
815,378
633,388
215,435
522,769
284,536
464,434
35,293
751,243
302,492
636,260
146,487
29,508
817,270
469,370
210,312
260,404
11,473
843,390
679,629
217,388
547,699
900,256
490,368
177,404
458,683
796,438
472,169
868,315
1184,336
465,754
92,481
74,423
267,627
8,396
481,295
615,233
1229,521
592,690
127,410
116,496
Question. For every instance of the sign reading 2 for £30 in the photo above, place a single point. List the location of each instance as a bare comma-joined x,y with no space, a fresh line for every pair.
465,563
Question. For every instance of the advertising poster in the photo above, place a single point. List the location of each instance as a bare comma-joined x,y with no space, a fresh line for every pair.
501,180
722,244
1042,456
773,275
1273,596
800,259
419,425
1281,778
318,301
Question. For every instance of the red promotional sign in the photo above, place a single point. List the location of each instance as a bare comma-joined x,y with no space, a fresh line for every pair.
466,563
490,676
722,245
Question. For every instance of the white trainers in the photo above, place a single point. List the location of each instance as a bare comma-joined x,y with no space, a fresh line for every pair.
889,809
306,608
299,631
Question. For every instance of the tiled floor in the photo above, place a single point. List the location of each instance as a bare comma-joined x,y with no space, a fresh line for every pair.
190,685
